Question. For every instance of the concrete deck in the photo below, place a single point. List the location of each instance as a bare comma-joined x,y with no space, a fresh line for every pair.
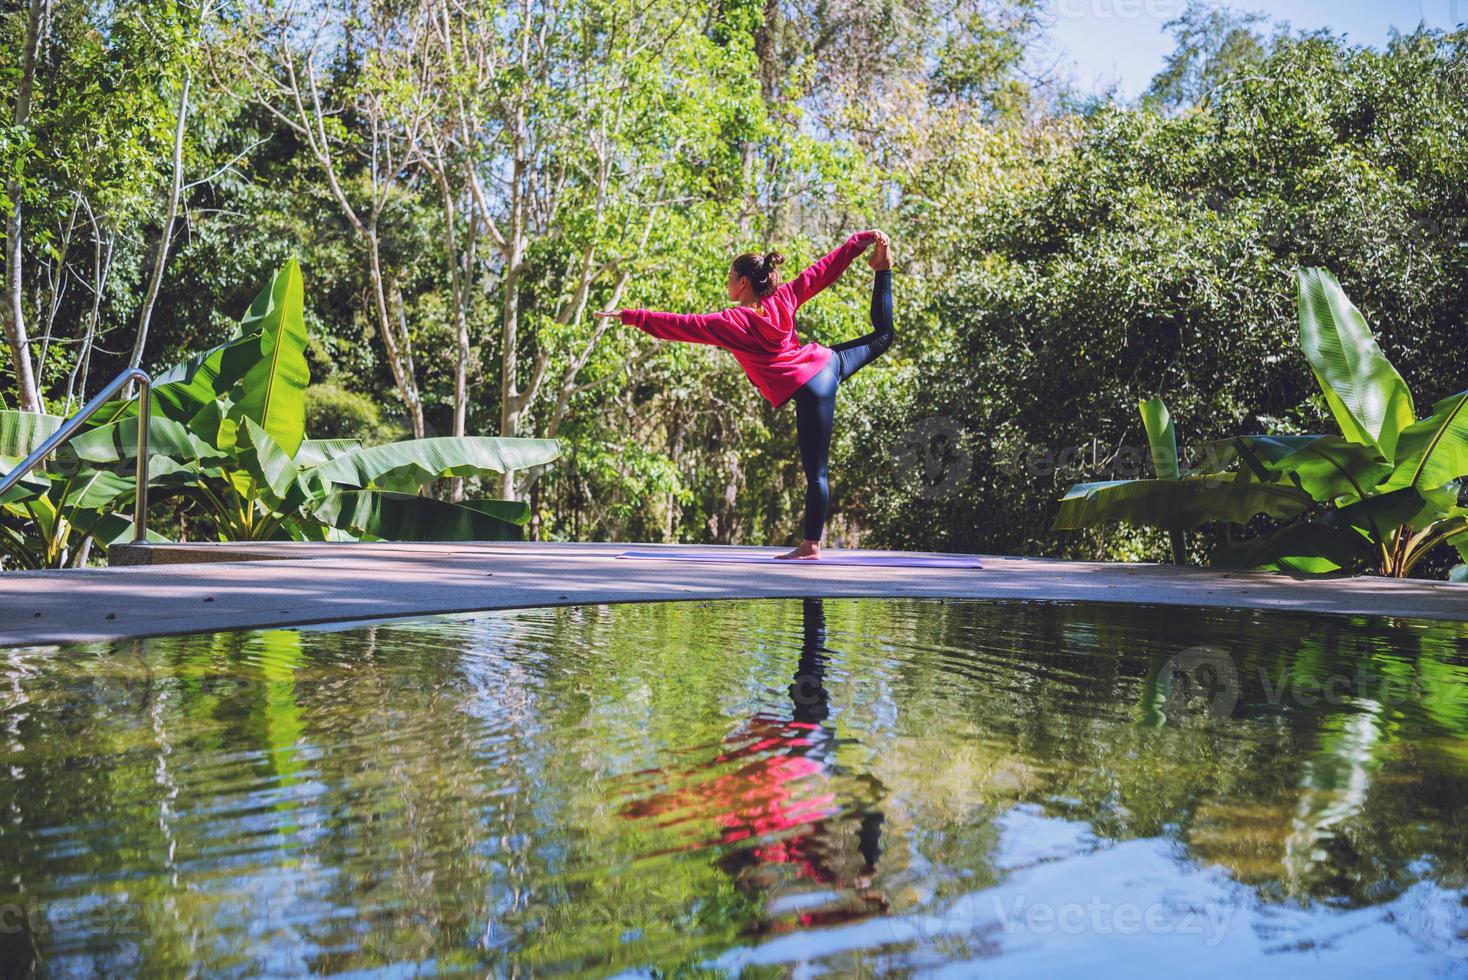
206,588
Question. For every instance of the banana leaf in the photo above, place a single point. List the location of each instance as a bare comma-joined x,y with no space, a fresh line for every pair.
1381,515
22,432
1261,450
403,517
1369,399
1162,438
113,529
88,489
180,391
98,489
314,452
118,441
44,512
1180,504
33,484
275,473
273,390
1434,451
1309,548
403,467
1459,572
212,424
299,529
1326,467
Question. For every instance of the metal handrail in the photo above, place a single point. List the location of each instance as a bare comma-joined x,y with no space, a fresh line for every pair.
68,428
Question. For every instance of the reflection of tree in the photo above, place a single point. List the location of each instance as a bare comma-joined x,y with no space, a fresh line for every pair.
1296,793
1334,787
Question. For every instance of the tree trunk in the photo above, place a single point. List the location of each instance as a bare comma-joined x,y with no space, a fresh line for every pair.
170,216
460,299
28,396
58,289
407,385
509,360
76,382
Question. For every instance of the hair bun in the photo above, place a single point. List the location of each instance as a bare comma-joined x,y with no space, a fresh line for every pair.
773,259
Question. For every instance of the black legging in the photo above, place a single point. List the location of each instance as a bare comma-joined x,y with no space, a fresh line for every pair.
815,403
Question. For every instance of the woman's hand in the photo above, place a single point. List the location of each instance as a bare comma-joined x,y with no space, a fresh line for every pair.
606,314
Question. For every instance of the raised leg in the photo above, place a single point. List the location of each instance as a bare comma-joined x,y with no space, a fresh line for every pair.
856,354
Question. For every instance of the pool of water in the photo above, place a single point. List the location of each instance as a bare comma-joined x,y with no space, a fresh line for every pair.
767,787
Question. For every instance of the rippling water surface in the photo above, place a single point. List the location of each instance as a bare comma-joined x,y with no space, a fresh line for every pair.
763,788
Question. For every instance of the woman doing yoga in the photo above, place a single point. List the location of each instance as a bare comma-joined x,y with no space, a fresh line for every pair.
760,332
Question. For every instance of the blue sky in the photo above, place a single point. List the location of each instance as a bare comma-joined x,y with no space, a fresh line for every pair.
1097,43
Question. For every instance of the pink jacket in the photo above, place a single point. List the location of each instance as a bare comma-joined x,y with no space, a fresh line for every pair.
765,346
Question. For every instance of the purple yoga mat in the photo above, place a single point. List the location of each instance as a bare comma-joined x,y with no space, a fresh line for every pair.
838,558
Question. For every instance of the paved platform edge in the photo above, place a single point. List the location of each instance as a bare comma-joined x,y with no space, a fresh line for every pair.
286,584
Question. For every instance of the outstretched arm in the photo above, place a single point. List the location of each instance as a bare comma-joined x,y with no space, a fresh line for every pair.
827,270
723,329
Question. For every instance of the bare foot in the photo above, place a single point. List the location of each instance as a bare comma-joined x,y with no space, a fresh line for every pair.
808,551
881,257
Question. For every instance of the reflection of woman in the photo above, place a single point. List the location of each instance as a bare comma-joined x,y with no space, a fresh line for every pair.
778,811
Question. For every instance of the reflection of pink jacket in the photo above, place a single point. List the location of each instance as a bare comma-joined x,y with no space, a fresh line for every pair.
776,798
765,346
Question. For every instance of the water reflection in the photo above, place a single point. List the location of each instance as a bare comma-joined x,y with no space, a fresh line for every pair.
850,785
796,829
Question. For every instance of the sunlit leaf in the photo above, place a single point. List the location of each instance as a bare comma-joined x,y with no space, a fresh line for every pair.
1182,504
1367,396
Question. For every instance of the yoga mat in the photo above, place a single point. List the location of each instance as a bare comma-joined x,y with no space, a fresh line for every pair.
883,561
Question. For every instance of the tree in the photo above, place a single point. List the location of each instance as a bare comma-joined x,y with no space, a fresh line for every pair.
104,82
1214,45
340,75
1155,254
15,328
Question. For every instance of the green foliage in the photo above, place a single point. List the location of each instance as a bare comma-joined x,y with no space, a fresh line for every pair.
337,412
1146,252
1215,45
1371,497
227,433
1052,262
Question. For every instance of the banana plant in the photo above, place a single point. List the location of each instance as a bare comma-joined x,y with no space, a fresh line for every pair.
227,431
47,518
234,420
1178,498
1381,494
